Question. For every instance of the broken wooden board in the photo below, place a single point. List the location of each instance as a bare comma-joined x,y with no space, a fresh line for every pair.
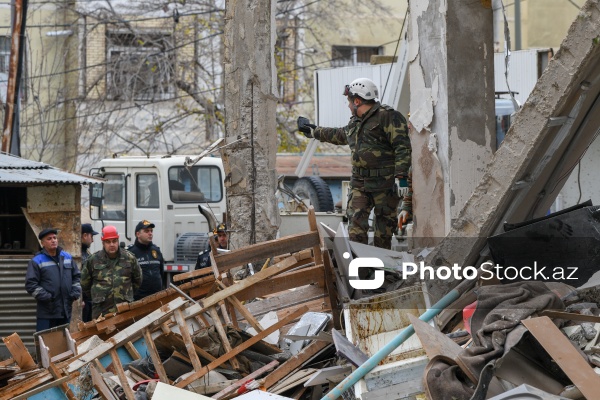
294,363
210,301
19,352
238,349
127,334
264,250
311,275
292,380
565,355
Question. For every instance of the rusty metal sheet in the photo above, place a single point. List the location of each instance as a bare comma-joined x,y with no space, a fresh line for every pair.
565,355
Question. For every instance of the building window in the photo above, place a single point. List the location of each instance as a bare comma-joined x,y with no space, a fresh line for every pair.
140,67
347,56
5,44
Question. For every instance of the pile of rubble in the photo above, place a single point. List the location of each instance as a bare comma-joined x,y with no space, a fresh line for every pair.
298,329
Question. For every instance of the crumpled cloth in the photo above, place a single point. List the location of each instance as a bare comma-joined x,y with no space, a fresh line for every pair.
500,309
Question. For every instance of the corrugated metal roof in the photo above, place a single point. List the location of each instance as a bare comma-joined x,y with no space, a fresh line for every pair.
19,170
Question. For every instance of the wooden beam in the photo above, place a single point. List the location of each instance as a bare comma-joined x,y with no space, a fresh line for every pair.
227,356
285,281
127,334
134,313
562,351
294,363
246,379
192,274
63,385
19,352
187,340
11,391
264,250
210,301
242,310
100,385
156,361
312,223
121,374
222,335
329,276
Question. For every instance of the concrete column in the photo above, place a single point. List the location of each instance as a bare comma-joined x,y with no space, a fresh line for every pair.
451,108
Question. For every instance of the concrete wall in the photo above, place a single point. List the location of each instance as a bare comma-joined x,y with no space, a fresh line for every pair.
452,108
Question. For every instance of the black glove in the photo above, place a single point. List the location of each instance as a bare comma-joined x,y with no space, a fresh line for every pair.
305,126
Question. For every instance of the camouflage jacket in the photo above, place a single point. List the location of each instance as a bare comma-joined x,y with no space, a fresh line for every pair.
379,144
108,282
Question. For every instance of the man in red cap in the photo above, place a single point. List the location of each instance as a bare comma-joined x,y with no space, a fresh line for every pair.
53,280
111,275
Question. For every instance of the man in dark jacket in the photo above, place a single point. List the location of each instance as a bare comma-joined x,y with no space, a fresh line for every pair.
222,237
53,280
149,258
381,156
87,238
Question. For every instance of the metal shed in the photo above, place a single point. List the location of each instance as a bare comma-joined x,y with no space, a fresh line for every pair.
33,196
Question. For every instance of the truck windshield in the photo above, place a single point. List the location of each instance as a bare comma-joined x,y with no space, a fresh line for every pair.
199,184
113,200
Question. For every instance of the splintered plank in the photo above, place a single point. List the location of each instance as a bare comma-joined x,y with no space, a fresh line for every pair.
294,363
187,340
222,335
312,223
210,301
65,388
285,281
241,309
126,334
19,352
264,250
13,390
160,369
329,276
227,356
192,274
121,374
100,385
565,355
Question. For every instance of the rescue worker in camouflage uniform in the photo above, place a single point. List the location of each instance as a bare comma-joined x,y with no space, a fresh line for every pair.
381,156
111,275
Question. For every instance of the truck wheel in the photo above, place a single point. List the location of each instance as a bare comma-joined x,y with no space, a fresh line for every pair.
316,190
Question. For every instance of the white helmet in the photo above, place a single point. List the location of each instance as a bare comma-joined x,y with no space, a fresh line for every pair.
363,88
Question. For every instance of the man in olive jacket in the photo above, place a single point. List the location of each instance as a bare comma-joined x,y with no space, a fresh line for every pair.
381,156
111,275
53,280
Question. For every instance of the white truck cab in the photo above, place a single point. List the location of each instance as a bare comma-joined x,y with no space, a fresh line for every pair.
162,190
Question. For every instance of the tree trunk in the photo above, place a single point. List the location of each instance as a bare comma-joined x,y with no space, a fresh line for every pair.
250,114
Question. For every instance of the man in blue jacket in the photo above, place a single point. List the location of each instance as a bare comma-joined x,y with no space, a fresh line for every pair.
53,280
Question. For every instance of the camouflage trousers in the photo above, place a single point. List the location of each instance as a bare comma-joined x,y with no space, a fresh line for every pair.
385,223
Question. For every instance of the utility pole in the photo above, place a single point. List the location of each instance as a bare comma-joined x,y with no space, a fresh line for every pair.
14,73
250,104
